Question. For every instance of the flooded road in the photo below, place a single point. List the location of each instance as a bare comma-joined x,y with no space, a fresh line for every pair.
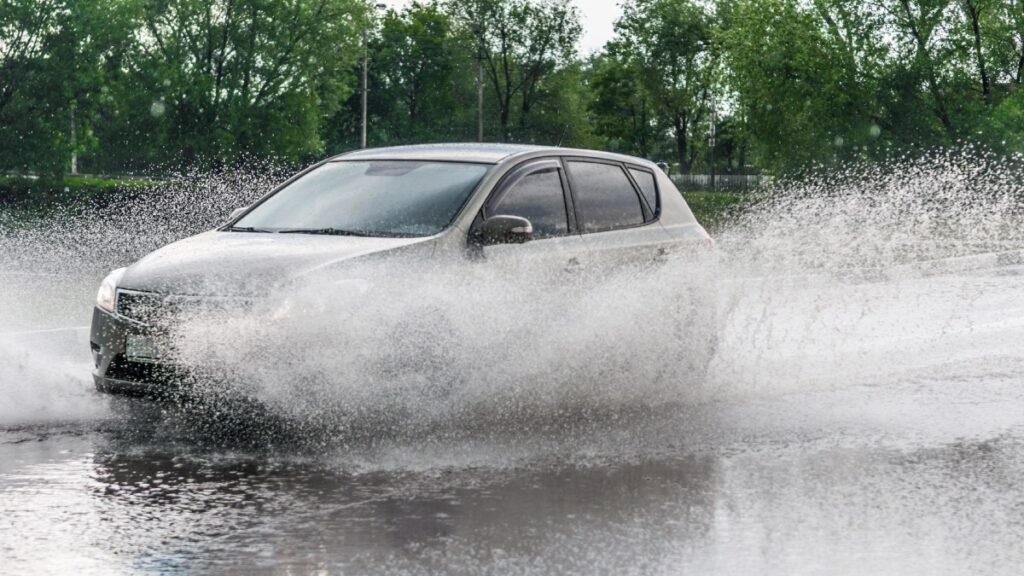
863,412
889,451
859,496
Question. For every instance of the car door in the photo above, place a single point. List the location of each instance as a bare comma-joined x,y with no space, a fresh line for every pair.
537,191
617,212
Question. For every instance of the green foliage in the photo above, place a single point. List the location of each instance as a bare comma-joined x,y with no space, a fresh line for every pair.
422,83
804,78
227,77
146,85
419,56
423,76
31,194
831,80
622,109
558,115
521,44
52,65
713,209
657,78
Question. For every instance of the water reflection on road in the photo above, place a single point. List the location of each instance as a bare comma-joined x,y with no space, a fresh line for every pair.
863,495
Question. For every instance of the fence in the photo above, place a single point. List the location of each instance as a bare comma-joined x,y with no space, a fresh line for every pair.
723,182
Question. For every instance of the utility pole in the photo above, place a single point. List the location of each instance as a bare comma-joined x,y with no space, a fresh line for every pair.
480,97
366,74
711,139
366,67
74,143
478,29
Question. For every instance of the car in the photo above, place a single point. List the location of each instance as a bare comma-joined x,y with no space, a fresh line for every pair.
564,208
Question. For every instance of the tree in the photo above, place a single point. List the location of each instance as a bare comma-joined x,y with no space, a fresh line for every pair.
921,22
668,42
521,43
421,82
423,76
622,109
228,77
52,67
558,113
813,82
1009,17
27,30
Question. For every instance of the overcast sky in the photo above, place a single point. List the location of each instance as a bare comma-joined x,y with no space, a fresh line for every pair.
598,17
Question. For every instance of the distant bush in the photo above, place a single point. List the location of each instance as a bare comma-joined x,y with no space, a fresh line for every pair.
35,194
713,209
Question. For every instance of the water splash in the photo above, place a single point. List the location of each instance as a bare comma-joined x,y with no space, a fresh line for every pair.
867,276
464,344
882,216
52,259
875,273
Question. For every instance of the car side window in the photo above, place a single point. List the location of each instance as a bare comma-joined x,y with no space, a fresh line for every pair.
648,186
540,198
606,199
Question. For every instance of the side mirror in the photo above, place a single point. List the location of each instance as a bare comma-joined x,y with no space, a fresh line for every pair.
665,168
237,212
503,229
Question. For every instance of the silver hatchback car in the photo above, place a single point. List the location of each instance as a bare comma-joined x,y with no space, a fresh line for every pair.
567,209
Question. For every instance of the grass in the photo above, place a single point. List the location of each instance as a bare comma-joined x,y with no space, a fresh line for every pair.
714,209
35,196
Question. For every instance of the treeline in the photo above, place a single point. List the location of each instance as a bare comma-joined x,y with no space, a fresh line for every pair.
752,85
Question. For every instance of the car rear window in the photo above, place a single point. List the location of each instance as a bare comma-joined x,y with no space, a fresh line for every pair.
606,198
648,186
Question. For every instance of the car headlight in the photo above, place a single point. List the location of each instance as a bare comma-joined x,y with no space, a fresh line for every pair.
106,299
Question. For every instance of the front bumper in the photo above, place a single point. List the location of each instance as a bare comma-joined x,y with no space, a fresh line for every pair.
112,371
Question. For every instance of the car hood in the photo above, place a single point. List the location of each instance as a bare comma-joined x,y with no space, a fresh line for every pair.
239,263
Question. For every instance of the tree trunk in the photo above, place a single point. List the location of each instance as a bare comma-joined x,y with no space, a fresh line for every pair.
640,128
925,57
974,13
682,143
524,112
505,117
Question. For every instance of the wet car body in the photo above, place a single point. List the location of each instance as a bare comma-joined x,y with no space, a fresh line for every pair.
568,209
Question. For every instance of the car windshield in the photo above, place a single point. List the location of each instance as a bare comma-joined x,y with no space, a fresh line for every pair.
393,198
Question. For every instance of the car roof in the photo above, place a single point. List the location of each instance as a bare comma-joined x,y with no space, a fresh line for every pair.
472,152
487,153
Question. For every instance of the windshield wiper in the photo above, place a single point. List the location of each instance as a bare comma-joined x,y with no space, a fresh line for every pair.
249,229
336,232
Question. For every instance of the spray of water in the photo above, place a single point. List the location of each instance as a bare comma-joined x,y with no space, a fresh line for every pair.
869,275
873,274
407,347
51,261
878,217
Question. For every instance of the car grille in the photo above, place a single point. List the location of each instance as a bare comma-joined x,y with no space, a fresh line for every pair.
159,310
